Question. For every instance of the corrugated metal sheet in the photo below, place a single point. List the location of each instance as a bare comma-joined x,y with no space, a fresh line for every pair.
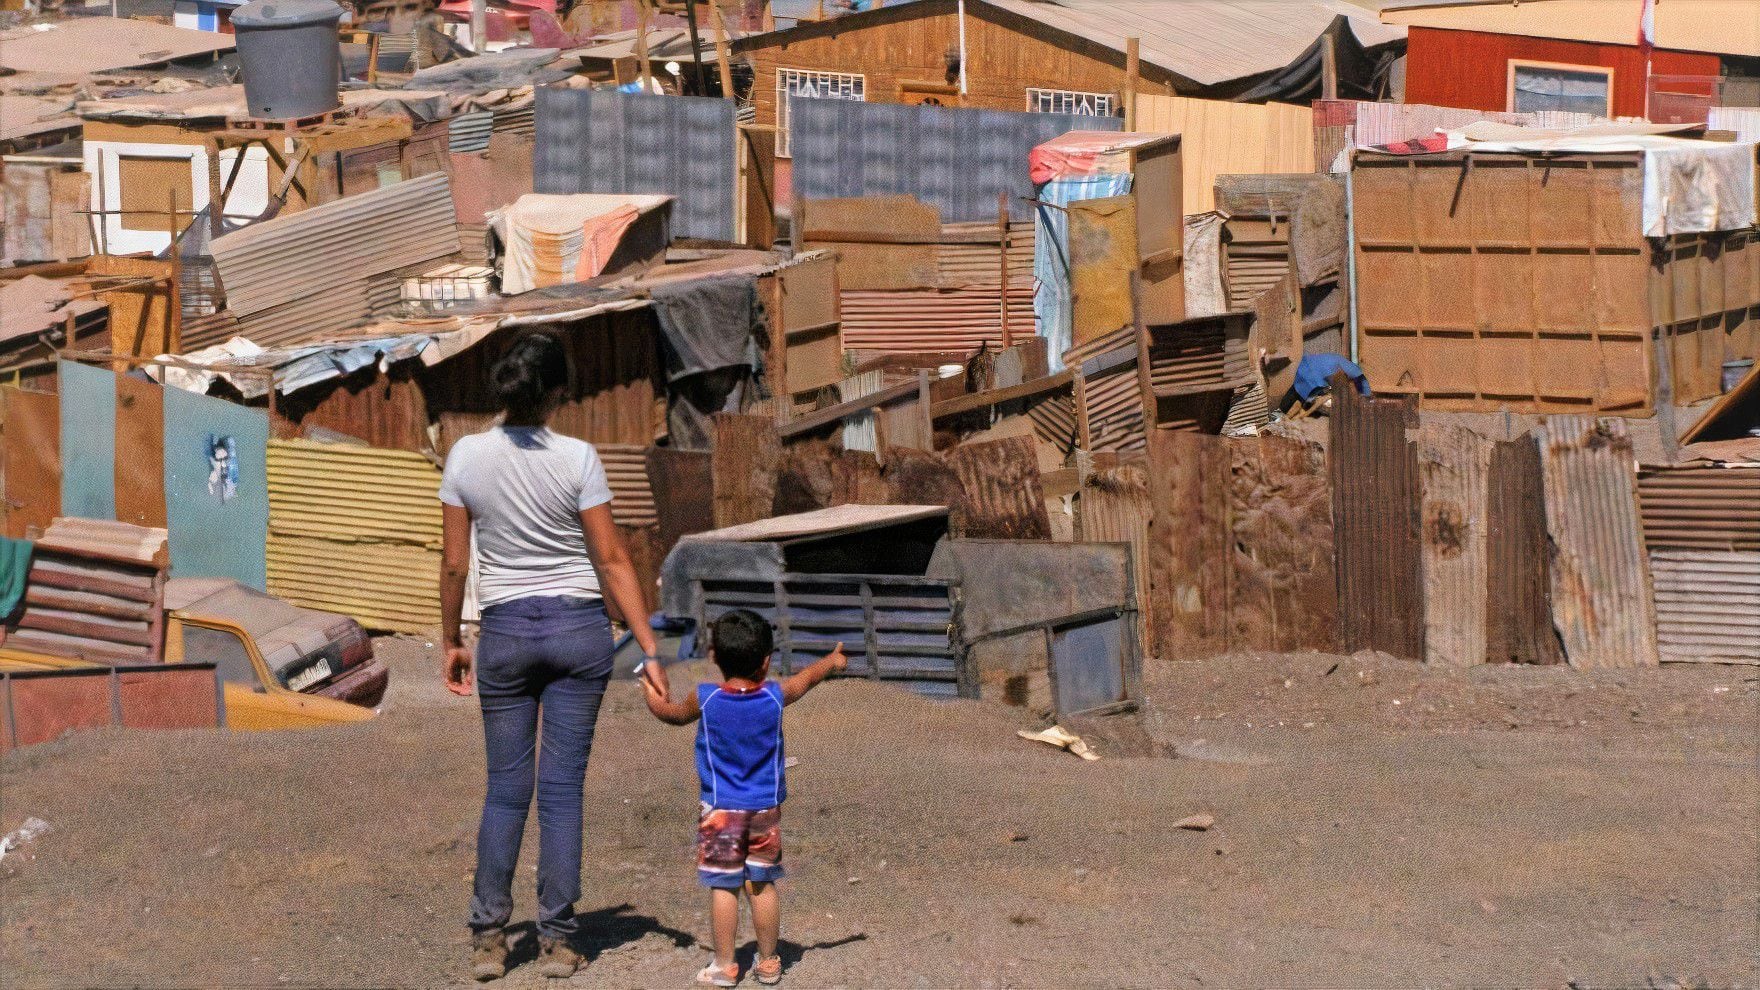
906,321
94,592
1115,508
1744,121
470,131
1707,605
1004,497
600,141
957,160
1375,512
1700,507
1112,400
1601,597
1377,124
1518,607
1200,355
356,530
1453,462
967,253
632,497
278,291
271,263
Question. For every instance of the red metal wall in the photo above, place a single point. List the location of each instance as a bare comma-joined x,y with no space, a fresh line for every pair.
1470,69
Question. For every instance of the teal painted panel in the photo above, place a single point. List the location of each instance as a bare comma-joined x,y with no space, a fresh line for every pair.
88,441
216,488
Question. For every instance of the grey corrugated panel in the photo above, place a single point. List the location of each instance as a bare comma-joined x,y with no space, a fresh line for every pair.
957,160
205,331
1601,598
342,304
470,131
598,141
1453,462
1707,605
288,258
1374,470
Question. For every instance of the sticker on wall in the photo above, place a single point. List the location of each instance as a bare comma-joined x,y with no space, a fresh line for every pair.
222,467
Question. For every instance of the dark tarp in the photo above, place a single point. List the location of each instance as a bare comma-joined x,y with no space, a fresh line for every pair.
715,340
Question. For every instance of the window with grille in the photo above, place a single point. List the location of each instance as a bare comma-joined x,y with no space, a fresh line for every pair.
812,85
1069,101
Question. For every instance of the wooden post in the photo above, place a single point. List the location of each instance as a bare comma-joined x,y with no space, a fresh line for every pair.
1328,66
690,13
642,15
479,25
217,192
1132,66
721,56
1002,263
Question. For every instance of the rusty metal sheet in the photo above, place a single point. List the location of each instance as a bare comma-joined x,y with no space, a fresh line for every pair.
1102,259
1281,586
1518,604
1109,396
1204,354
140,452
743,466
174,696
1601,596
1453,463
1707,605
32,424
1188,558
814,475
911,321
1375,511
678,479
1700,507
1005,499
1114,507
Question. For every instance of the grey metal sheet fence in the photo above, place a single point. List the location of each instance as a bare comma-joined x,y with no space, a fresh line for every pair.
958,160
599,141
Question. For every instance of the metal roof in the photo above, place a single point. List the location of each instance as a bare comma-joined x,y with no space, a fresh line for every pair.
23,116
97,44
1205,41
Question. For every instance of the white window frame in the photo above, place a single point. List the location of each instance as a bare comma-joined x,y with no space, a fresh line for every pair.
1037,99
1593,70
849,82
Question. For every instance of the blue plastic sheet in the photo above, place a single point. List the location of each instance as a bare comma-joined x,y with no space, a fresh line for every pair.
88,441
1052,304
216,488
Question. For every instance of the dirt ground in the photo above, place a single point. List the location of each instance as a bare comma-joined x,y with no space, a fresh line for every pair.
1377,824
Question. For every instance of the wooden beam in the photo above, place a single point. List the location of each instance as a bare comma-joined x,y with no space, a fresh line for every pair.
642,20
1328,66
1002,264
861,404
997,396
721,53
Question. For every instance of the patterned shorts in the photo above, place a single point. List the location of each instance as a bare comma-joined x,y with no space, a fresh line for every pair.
736,846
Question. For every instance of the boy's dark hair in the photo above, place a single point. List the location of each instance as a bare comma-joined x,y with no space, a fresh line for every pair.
523,378
742,640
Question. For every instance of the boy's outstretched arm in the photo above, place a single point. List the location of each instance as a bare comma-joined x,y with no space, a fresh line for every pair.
804,680
665,709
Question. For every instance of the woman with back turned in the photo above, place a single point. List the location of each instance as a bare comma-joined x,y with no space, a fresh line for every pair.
548,559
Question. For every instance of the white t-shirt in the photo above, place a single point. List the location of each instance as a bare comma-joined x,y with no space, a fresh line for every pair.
525,488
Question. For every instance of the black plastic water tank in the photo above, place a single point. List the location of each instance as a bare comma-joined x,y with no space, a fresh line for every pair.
289,53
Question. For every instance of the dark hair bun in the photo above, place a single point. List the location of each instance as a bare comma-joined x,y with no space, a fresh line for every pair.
523,378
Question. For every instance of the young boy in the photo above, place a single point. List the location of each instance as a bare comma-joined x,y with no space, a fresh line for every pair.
739,766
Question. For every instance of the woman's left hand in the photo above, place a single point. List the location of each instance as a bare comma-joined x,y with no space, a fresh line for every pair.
456,668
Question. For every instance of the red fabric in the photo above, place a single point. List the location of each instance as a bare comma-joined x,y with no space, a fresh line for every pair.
1416,146
1075,153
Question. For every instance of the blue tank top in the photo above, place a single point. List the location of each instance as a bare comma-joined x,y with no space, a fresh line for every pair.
739,747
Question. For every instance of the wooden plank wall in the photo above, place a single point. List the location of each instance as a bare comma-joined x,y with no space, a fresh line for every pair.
1222,138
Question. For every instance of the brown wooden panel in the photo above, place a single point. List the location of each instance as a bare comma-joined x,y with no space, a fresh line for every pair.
140,452
743,466
32,424
1518,605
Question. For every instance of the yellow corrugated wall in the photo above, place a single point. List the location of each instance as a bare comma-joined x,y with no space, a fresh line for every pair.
356,530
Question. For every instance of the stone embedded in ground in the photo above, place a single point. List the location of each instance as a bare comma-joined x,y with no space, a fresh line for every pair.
1199,822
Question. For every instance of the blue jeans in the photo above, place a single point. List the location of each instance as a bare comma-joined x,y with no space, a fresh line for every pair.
538,659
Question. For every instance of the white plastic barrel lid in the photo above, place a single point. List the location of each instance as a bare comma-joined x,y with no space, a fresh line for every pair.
286,13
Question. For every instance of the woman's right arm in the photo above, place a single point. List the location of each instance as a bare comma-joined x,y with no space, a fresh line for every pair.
455,568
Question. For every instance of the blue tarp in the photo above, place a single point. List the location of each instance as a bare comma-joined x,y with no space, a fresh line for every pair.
1052,303
216,488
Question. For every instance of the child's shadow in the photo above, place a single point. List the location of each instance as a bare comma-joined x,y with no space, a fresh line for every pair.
791,952
600,932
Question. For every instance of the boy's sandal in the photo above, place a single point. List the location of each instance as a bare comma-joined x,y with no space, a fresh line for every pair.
768,970
718,976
